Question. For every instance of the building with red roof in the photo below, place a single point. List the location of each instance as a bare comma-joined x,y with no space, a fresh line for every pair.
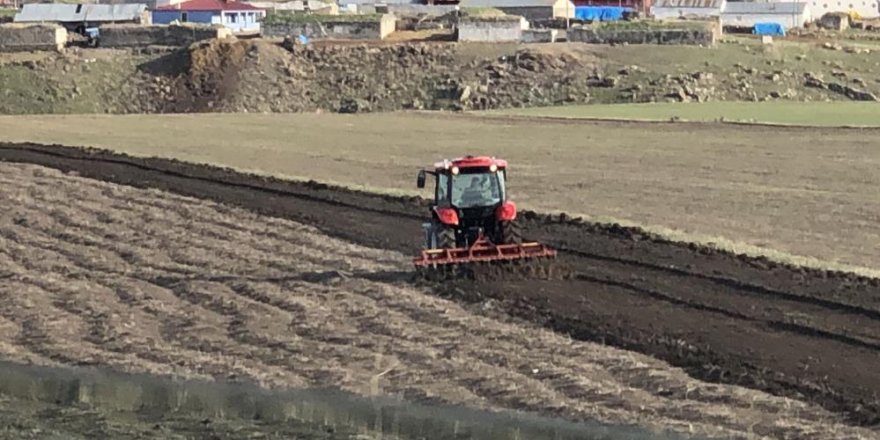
235,15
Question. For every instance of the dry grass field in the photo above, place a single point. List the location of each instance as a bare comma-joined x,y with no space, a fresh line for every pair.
808,192
825,114
145,281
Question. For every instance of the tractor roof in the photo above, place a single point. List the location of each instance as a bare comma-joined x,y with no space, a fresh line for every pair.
471,162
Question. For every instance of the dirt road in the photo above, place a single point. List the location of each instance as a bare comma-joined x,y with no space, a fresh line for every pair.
794,332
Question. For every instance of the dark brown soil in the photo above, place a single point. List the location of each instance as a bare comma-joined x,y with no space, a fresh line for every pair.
796,332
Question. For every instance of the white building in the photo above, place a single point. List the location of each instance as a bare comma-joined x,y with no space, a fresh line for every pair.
675,9
747,14
530,9
864,8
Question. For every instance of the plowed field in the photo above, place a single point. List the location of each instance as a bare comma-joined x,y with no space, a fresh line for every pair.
145,280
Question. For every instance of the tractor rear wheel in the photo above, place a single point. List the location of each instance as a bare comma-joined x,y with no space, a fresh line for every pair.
445,237
510,233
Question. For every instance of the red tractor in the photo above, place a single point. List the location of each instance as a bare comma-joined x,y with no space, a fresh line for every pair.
472,219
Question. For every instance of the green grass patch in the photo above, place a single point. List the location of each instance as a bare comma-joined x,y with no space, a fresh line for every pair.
288,18
826,114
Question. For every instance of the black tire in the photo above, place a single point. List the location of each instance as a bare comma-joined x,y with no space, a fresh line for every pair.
445,237
510,233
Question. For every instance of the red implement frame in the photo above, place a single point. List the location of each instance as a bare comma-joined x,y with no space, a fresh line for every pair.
483,251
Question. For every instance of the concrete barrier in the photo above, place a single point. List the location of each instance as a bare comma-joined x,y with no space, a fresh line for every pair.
691,33
158,35
333,27
539,35
492,29
26,37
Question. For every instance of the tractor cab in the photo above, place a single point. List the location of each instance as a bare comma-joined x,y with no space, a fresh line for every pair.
468,182
470,200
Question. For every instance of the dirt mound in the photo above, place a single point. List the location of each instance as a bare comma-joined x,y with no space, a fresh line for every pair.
260,76
807,334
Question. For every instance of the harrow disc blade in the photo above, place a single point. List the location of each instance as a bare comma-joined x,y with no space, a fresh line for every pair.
526,268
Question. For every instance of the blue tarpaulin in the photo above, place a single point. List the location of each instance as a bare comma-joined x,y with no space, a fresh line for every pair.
600,13
769,29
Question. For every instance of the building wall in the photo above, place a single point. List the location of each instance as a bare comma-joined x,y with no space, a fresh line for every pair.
787,21
674,13
166,17
26,37
865,8
342,30
242,21
563,8
140,36
539,35
491,30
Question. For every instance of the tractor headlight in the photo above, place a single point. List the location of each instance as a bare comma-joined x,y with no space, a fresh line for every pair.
493,168
454,170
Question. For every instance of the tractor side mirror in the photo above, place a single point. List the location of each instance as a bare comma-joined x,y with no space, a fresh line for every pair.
420,180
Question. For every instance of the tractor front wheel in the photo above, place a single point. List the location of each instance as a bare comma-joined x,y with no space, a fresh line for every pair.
510,233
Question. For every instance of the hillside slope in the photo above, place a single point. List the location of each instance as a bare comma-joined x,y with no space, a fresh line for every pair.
261,76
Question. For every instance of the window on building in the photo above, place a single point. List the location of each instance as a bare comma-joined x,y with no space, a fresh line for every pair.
184,17
79,8
232,17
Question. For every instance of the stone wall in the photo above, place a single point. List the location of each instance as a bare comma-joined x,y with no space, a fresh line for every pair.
158,35
27,37
430,10
334,29
691,34
539,35
491,29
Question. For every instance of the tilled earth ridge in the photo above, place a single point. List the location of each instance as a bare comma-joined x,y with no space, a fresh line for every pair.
794,332
146,281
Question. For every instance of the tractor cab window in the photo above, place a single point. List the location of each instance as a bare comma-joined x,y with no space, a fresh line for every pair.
477,189
442,187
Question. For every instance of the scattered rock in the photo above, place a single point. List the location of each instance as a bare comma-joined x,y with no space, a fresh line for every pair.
677,94
464,94
851,93
351,105
831,46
